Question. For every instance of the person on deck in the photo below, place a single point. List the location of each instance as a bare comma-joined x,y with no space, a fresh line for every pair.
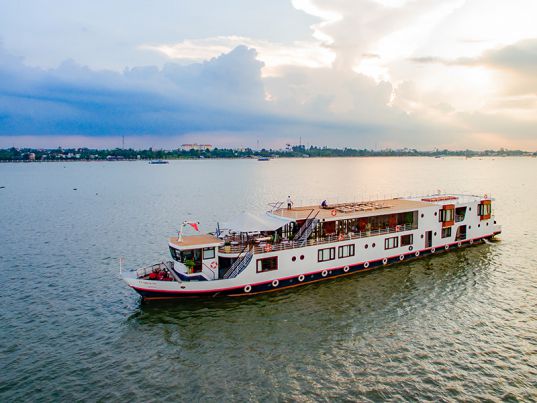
324,204
289,203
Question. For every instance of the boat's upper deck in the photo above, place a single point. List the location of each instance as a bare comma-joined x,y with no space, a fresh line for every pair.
195,241
352,210
441,199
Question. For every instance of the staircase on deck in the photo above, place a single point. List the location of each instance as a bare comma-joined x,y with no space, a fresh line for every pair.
306,229
244,259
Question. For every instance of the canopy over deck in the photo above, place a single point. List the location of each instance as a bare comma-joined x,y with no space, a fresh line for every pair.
249,222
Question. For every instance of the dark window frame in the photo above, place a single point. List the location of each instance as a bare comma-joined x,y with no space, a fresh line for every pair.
410,236
396,242
444,215
207,250
331,254
351,249
447,230
260,270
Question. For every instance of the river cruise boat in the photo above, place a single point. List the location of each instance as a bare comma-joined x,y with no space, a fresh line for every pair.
289,247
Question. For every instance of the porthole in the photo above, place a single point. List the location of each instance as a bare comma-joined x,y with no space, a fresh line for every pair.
478,225
435,234
435,213
469,227
422,215
373,245
487,224
301,257
366,246
293,258
421,236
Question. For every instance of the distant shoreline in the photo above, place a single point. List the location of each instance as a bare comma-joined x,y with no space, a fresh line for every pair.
254,159
121,154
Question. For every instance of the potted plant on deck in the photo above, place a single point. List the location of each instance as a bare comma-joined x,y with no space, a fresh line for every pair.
189,263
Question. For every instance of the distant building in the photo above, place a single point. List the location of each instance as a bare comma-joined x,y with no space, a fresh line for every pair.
195,146
31,156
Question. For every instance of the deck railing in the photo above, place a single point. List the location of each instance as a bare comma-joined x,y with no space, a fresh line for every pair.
144,271
284,245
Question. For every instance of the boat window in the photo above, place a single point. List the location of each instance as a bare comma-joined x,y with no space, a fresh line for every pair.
267,264
484,209
346,251
447,215
446,232
208,253
326,254
390,243
176,254
407,240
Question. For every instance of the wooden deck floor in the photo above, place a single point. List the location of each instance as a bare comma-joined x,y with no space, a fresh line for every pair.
352,209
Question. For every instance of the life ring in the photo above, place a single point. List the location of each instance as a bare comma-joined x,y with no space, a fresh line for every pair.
214,265
268,247
366,265
385,261
471,241
333,213
341,237
446,247
248,288
459,244
301,278
433,250
417,253
275,283
402,257
346,269
324,273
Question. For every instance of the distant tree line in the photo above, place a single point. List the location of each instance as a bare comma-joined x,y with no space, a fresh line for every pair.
87,154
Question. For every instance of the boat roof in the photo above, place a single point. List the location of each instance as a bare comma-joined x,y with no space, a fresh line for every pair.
248,222
195,241
352,209
451,198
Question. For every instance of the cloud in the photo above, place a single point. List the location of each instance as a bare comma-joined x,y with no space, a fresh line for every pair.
273,55
226,95
516,64
223,93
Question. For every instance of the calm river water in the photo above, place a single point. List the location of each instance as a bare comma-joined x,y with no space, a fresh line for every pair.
461,326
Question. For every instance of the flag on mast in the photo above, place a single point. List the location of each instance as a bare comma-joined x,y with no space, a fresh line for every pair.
194,224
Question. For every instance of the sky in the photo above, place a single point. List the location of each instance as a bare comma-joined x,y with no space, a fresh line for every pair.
372,74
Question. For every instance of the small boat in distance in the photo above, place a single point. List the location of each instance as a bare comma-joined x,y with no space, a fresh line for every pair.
154,162
289,247
263,159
